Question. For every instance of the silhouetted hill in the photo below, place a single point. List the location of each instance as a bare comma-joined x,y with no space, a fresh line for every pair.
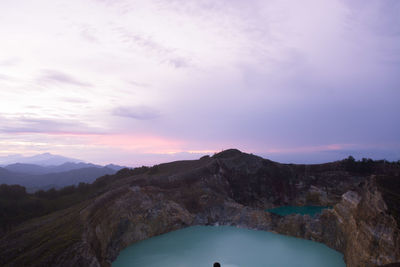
69,166
115,167
57,178
26,168
33,169
7,177
60,179
4,172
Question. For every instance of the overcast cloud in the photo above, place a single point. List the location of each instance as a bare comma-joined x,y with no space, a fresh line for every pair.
300,81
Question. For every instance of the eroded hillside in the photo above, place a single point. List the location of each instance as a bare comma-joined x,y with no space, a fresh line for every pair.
230,188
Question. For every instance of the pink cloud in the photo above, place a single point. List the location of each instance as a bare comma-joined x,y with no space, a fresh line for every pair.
140,143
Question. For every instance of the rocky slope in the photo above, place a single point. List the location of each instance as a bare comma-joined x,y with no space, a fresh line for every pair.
361,226
230,188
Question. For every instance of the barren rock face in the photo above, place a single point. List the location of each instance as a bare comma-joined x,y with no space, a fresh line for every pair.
360,226
230,188
370,231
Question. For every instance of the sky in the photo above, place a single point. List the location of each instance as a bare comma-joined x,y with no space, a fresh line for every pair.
142,82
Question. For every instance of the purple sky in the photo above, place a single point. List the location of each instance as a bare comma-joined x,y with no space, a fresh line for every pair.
143,82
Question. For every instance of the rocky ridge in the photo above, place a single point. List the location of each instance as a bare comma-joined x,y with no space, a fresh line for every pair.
230,188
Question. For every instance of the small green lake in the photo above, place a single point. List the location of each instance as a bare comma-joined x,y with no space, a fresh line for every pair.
201,246
303,210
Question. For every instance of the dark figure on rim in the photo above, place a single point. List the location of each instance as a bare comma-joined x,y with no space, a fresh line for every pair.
216,264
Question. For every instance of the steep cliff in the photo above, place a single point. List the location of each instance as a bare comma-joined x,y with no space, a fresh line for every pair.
361,226
230,188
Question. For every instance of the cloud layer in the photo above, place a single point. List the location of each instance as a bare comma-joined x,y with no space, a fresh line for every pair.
278,78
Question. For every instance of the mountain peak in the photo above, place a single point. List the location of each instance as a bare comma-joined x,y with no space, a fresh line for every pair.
233,152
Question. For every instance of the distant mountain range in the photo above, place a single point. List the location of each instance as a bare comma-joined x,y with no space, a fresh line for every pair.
45,159
24,168
46,170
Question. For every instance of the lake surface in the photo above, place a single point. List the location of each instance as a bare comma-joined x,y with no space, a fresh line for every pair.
303,210
201,246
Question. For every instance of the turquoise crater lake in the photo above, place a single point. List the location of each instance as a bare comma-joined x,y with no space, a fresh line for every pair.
201,246
303,210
